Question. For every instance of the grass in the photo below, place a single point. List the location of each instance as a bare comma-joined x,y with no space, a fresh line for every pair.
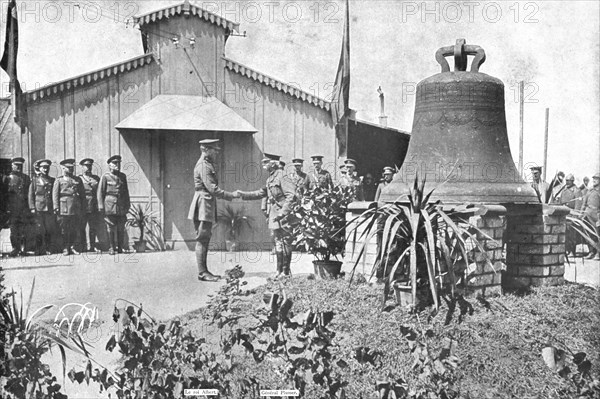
499,339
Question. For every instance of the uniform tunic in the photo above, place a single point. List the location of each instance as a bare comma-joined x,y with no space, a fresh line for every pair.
113,194
591,205
569,196
204,204
280,192
301,181
40,200
90,215
67,195
380,187
355,184
16,185
321,179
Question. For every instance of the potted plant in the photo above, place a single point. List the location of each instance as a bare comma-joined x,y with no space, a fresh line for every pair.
233,220
422,249
145,220
319,227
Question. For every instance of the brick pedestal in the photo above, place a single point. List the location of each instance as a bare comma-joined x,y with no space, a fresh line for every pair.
535,251
486,279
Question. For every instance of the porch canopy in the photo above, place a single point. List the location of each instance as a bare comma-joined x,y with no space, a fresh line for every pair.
180,112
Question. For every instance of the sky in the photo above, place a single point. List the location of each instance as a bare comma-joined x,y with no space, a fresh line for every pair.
552,46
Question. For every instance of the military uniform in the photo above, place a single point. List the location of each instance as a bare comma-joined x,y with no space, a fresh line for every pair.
591,212
203,209
90,214
320,179
380,187
67,195
355,184
569,196
114,202
17,185
280,192
41,204
300,180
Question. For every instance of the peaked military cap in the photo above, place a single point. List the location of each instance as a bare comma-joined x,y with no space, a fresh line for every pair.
350,161
44,162
596,176
213,143
18,160
538,168
114,158
282,164
271,157
36,164
68,162
570,177
297,161
317,158
86,161
388,169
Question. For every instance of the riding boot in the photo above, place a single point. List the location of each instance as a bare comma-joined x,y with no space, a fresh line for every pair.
287,261
280,263
201,260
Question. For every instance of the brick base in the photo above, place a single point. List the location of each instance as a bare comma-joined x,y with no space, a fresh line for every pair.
535,250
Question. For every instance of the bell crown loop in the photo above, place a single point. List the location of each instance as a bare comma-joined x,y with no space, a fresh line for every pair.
460,51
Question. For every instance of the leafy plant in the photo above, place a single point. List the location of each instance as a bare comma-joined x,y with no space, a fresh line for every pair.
142,218
420,242
319,221
574,368
24,340
234,219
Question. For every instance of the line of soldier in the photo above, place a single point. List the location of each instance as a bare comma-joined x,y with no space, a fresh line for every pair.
581,199
73,202
277,196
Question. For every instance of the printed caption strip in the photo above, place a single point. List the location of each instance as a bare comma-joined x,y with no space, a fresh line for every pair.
263,392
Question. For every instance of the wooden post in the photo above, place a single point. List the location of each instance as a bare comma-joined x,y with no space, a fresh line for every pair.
546,145
521,117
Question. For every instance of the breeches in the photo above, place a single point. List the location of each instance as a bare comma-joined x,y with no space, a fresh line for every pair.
69,228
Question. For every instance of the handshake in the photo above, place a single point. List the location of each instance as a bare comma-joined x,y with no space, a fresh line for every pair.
237,194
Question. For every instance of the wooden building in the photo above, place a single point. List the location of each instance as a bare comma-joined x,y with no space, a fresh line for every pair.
154,108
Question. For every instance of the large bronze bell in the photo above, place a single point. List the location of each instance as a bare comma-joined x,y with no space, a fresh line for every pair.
459,142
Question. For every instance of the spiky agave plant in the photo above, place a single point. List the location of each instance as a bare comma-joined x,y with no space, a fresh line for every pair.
419,239
234,219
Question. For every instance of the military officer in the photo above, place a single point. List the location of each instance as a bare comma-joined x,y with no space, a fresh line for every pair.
541,187
352,181
319,176
16,184
67,194
89,214
591,212
113,203
203,209
280,192
388,175
299,178
41,205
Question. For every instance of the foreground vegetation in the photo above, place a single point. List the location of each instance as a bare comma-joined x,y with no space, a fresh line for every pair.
329,340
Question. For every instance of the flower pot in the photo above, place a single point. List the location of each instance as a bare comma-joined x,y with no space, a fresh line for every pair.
327,269
140,246
403,294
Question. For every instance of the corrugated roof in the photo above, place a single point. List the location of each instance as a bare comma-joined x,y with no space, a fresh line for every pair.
276,84
187,9
180,112
89,77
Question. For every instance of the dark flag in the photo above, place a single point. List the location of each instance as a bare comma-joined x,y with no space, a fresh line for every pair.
341,90
9,64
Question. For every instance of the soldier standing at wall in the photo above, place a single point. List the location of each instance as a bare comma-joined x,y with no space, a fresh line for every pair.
388,175
203,209
299,178
16,185
41,205
352,181
89,215
114,203
319,176
591,213
541,187
280,192
67,194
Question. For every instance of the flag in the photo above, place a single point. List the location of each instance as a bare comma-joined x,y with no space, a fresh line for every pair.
9,64
341,90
